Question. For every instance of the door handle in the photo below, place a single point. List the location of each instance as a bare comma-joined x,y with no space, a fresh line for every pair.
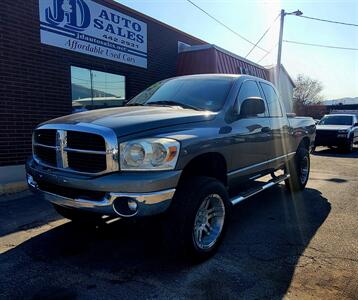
265,129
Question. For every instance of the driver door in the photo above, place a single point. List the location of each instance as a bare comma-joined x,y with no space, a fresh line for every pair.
251,136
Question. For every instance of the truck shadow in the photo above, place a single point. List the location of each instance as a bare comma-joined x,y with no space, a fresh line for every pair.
24,212
335,152
266,238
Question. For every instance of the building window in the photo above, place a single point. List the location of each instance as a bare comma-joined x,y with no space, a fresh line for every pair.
94,89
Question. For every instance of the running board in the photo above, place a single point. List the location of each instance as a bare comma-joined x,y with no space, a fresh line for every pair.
241,197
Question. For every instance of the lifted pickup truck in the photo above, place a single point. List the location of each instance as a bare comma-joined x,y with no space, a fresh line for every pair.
188,148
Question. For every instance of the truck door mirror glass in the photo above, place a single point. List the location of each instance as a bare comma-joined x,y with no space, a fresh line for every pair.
355,124
252,106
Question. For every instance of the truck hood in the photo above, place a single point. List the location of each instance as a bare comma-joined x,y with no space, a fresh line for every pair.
132,119
333,127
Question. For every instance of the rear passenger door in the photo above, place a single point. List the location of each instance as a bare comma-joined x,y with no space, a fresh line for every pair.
280,128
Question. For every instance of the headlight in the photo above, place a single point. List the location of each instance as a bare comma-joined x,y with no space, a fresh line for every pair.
149,154
342,133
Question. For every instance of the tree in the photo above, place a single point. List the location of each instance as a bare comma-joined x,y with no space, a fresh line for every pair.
307,91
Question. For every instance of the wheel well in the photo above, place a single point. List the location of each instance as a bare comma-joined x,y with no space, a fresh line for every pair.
305,143
211,164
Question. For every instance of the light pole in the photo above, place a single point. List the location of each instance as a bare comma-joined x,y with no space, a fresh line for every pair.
282,20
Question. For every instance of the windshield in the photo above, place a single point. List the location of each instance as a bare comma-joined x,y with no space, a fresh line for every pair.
196,93
336,120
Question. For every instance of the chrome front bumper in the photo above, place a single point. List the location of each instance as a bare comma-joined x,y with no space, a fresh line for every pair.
145,204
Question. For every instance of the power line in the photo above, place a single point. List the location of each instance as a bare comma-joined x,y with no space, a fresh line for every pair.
222,24
262,58
267,30
320,45
329,21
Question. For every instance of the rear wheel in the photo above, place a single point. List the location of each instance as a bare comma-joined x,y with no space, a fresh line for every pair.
196,221
299,169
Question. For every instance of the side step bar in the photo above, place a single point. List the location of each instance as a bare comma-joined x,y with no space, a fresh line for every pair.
241,197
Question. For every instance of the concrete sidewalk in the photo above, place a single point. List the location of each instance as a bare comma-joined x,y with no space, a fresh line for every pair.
12,179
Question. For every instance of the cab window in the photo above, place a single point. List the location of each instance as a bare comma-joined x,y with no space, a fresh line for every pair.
272,99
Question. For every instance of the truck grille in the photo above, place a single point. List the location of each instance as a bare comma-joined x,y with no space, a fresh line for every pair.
327,133
85,141
47,155
84,162
82,149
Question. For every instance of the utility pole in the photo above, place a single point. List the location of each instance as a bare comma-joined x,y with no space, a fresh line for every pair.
279,52
280,39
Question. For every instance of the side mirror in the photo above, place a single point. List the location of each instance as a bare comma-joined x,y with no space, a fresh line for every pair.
355,125
252,106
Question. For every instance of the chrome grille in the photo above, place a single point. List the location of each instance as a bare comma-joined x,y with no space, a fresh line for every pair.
83,148
45,137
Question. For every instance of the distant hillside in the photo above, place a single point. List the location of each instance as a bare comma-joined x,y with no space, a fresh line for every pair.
344,101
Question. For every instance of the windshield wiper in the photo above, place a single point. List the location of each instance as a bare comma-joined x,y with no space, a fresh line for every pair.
173,103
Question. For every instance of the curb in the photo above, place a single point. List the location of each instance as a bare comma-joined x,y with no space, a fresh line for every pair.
12,187
12,179
6,198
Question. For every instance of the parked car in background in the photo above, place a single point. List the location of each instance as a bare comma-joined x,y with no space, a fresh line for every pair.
190,147
337,130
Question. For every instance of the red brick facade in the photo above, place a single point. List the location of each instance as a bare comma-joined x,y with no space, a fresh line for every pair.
35,81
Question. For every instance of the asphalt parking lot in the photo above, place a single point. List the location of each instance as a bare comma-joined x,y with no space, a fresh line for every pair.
301,246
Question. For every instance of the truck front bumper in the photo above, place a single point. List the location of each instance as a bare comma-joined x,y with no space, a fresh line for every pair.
125,194
340,142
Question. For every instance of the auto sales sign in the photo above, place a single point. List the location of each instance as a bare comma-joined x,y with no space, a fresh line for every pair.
88,27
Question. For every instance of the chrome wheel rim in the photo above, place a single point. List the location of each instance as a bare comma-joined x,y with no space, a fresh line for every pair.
304,169
209,222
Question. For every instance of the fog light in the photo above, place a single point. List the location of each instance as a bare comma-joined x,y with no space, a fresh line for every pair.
125,206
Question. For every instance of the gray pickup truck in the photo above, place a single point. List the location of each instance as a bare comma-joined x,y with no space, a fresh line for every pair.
187,148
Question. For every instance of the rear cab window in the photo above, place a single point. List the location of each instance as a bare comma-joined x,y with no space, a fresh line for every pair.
272,99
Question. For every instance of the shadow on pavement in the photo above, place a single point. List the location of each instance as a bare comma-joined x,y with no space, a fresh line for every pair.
264,244
335,152
336,180
23,212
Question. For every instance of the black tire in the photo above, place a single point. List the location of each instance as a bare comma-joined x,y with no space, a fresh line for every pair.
181,221
78,217
349,147
299,174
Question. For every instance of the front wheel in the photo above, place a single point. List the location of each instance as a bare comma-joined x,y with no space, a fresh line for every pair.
350,145
299,170
196,221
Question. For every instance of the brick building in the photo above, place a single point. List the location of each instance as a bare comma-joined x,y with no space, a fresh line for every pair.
64,56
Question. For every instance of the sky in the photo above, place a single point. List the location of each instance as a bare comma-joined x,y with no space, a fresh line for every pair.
336,69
